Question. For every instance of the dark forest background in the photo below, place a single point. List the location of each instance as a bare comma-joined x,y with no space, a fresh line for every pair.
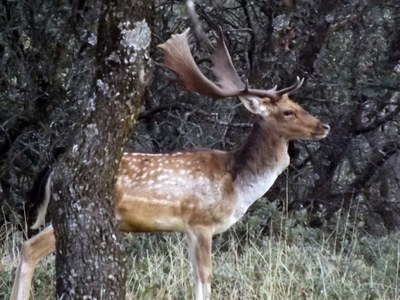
348,51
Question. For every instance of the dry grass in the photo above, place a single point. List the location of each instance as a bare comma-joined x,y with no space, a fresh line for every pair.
310,266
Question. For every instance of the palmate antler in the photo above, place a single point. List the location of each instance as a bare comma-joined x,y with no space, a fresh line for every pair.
179,59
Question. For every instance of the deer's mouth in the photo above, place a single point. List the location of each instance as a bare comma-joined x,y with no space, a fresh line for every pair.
319,135
323,131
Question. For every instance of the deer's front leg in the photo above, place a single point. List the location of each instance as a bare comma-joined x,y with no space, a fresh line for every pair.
200,240
33,250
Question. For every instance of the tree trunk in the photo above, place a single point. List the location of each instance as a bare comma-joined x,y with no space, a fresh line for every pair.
89,261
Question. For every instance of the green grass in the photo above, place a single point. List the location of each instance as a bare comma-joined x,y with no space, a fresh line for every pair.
297,263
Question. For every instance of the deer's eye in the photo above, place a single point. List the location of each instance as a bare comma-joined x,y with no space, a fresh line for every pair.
288,113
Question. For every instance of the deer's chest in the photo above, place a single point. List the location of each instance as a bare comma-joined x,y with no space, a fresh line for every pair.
252,188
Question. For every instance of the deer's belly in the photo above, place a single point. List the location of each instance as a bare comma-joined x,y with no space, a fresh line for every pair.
152,214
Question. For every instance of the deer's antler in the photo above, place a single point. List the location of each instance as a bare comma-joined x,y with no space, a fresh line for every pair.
179,59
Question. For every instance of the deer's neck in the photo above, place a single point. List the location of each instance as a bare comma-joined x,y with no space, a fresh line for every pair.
258,163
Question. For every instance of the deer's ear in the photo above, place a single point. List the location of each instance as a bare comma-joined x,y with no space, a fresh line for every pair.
255,105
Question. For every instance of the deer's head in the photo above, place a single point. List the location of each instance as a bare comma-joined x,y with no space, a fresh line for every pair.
274,106
291,121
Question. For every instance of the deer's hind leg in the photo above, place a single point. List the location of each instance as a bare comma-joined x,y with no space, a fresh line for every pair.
33,250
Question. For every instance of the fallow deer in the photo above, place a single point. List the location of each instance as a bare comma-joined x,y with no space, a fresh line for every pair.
198,192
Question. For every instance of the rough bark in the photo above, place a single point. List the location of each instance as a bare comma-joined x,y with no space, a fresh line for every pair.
89,258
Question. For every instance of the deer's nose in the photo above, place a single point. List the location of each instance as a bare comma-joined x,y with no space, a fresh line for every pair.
325,126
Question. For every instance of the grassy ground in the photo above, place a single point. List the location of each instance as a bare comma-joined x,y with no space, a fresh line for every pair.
301,264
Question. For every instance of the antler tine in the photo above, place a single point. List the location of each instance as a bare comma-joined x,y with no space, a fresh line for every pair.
275,95
291,89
